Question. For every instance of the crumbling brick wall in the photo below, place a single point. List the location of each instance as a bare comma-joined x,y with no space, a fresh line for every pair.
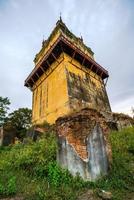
76,130
123,120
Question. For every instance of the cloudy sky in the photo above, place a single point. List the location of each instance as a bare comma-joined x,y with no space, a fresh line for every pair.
107,26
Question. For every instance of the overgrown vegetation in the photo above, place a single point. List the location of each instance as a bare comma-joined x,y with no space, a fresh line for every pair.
121,176
31,171
15,123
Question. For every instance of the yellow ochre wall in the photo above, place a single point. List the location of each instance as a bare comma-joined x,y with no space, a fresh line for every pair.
85,92
75,67
50,93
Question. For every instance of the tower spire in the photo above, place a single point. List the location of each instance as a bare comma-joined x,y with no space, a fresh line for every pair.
81,38
60,17
43,41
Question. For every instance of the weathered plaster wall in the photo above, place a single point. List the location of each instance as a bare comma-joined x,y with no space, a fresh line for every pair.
98,159
68,158
50,98
83,139
67,87
85,88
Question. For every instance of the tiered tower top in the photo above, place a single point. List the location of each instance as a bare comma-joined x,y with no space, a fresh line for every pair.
63,40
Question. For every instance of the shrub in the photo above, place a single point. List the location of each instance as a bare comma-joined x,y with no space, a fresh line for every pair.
2,189
9,187
54,174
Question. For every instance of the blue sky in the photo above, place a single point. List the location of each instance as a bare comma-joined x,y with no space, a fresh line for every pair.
107,26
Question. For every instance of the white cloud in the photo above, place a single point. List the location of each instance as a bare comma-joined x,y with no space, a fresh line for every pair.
124,106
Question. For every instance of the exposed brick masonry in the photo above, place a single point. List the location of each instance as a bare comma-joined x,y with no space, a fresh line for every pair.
77,127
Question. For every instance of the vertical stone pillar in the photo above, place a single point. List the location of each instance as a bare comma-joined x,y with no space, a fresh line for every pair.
1,136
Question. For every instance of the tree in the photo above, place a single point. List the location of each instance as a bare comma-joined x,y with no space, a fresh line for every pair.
132,111
4,106
21,120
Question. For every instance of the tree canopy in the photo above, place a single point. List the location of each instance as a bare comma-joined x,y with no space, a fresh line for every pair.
18,121
21,120
4,107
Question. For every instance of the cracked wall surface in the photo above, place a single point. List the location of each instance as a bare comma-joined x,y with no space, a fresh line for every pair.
83,139
84,92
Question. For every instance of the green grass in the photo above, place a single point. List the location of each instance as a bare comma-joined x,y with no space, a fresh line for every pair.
120,179
31,171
